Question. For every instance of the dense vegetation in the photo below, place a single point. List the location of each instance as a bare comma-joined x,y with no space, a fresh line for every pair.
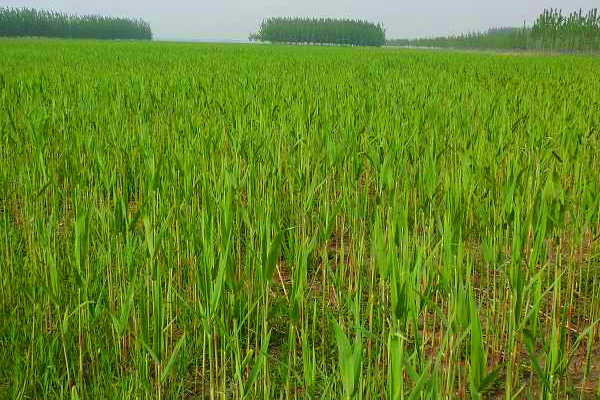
32,22
552,31
355,223
505,38
320,31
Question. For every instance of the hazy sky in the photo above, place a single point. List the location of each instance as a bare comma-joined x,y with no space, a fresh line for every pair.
235,19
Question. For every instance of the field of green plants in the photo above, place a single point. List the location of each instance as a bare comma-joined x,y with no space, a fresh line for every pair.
244,221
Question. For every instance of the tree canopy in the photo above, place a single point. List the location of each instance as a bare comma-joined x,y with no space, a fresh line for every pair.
32,22
552,30
320,31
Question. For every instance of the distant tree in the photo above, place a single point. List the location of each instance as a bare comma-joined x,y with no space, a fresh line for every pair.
551,31
577,31
320,31
32,22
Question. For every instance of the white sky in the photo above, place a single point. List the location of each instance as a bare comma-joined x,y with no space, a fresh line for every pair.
235,19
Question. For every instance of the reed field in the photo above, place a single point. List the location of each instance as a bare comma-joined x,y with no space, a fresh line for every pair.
194,221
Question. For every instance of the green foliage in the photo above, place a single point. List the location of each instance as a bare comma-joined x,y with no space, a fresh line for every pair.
479,380
505,38
551,31
577,31
350,358
32,22
186,220
320,31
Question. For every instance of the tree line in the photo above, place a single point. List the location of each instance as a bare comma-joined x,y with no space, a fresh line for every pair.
320,31
577,31
32,22
502,38
552,30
